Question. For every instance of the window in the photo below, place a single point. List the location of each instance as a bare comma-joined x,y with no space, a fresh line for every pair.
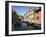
37,18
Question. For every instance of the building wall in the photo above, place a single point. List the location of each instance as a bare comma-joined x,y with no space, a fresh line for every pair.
38,18
32,16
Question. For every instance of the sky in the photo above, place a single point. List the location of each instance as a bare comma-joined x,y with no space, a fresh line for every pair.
21,10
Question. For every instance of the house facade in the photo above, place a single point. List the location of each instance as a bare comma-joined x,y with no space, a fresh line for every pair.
32,16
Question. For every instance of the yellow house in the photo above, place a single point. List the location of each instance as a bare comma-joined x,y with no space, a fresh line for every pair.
31,15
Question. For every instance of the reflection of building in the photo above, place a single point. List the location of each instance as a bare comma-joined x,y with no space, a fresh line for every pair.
33,15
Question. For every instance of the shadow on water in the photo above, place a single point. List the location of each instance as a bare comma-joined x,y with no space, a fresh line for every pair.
19,26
